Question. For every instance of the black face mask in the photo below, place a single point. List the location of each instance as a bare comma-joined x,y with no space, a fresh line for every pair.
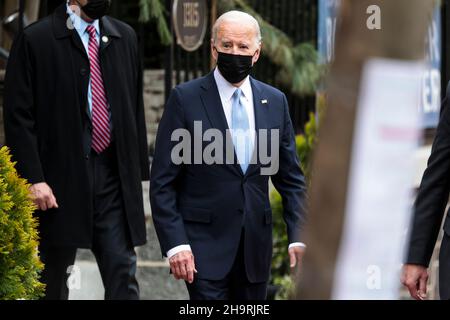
95,9
234,68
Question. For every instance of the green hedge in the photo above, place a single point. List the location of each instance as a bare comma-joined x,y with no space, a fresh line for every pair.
280,263
19,263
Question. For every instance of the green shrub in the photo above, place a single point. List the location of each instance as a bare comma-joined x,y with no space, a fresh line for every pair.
19,263
305,143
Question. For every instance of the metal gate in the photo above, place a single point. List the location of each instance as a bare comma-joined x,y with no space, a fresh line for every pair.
296,18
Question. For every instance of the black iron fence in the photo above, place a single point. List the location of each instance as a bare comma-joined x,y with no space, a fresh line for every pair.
296,18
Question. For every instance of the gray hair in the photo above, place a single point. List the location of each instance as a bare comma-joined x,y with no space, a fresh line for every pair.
237,16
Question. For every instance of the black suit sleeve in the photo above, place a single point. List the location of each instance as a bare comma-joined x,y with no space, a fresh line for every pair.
432,196
19,112
140,117
168,221
289,181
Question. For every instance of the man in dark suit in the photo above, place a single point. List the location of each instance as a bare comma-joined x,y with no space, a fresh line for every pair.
218,212
428,212
74,121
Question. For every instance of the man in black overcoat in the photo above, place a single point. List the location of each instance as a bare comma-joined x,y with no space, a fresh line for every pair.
74,120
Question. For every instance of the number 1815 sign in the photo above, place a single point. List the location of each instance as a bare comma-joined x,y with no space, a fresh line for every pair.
190,19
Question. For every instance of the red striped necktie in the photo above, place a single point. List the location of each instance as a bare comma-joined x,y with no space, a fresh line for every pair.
101,131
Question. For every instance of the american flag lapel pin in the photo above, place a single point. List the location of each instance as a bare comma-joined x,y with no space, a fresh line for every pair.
264,101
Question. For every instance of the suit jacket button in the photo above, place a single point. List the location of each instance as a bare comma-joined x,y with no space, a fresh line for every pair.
83,71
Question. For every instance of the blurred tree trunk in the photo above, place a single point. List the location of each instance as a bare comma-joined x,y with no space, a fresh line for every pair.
404,25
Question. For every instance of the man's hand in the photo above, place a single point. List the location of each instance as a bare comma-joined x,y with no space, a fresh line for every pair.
296,257
43,196
415,277
183,266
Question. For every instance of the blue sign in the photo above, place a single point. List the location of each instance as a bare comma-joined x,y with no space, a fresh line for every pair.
328,13
431,88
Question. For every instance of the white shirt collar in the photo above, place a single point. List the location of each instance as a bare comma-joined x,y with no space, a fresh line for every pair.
79,24
226,89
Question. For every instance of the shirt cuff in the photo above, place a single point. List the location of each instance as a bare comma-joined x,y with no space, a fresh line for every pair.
178,249
297,244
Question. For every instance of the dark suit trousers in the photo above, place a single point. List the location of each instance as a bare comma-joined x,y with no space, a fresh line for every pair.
235,286
111,243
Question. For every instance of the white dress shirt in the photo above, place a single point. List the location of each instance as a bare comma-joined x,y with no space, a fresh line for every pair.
226,91
81,26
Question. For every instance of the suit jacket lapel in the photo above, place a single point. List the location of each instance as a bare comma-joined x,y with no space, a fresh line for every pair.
62,31
76,41
261,121
216,115
213,105
108,33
